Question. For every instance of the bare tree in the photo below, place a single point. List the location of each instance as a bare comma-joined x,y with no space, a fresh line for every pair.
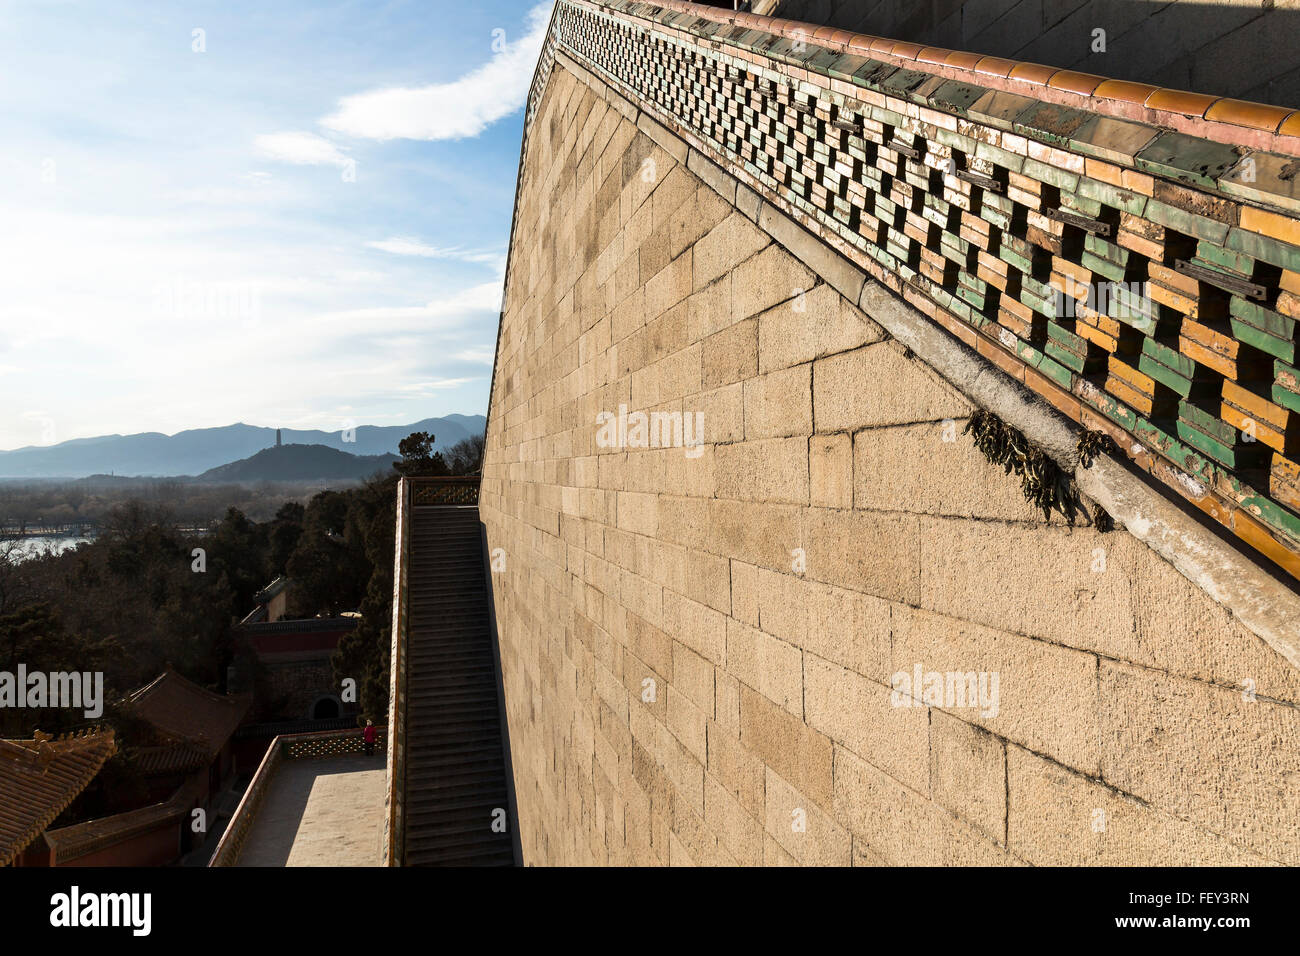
466,456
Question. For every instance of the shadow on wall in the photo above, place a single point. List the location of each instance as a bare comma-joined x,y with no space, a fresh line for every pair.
1249,50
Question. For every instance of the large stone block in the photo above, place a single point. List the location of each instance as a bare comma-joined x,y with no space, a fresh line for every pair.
668,286
1056,817
723,411
817,323
784,742
730,355
767,278
1067,586
779,404
1209,755
857,713
830,471
1032,692
696,626
875,553
879,385
710,310
737,831
775,470
802,828
767,664
766,535
1179,630
968,773
638,513
956,479
693,675
687,721
736,768
732,241
900,827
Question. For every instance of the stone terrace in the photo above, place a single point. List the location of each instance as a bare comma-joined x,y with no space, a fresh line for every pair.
326,812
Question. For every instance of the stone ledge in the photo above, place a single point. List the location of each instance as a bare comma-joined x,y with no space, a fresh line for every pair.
841,274
671,144
713,175
1259,601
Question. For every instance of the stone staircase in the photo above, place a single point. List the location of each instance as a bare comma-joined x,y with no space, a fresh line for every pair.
455,770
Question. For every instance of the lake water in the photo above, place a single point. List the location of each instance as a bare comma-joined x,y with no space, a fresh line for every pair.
47,544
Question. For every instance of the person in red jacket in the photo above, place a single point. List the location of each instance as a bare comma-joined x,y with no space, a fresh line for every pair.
370,735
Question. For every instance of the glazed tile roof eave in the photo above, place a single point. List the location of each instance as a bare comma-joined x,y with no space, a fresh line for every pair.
169,758
1222,119
39,778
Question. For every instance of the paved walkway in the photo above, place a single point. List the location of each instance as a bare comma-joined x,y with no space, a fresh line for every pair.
321,813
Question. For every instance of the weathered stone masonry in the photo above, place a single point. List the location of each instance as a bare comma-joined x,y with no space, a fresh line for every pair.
827,537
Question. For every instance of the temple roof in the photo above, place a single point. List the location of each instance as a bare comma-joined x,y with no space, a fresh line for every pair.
196,722
40,777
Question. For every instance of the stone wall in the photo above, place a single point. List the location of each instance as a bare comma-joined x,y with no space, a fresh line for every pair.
1241,48
300,684
698,645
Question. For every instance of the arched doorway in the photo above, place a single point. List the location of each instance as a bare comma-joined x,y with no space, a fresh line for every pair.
325,708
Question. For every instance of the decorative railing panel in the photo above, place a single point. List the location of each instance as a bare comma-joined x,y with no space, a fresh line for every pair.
444,491
336,744
1120,254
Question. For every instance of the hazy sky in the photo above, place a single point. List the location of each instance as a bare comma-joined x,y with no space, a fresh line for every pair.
296,216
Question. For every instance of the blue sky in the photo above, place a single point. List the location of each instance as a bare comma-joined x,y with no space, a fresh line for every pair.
296,217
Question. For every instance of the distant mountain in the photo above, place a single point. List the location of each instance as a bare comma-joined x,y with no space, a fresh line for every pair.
300,463
199,450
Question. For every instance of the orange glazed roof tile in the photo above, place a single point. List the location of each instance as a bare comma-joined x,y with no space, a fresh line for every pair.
1125,90
39,778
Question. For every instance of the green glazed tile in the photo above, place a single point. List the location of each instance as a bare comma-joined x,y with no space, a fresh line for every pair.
1050,122
1188,159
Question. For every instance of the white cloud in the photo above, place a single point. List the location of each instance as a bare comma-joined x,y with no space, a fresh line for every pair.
426,387
401,246
304,149
478,356
456,110
136,213
485,297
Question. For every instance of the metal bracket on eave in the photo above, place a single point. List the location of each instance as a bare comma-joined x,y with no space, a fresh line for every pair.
853,126
975,179
1220,281
1079,222
911,152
